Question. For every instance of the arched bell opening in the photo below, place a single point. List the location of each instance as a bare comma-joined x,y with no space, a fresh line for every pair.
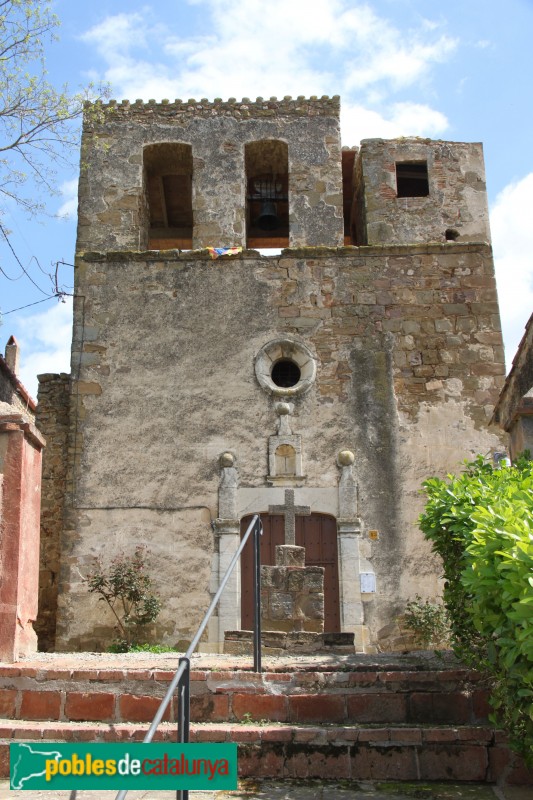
267,194
168,173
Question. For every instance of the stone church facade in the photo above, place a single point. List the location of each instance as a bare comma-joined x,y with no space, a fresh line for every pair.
322,383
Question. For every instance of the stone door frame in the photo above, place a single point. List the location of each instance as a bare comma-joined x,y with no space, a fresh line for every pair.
242,501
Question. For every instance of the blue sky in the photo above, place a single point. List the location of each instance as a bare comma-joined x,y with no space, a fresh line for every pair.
460,71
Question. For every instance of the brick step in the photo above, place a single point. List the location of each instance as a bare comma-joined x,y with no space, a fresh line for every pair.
376,723
349,696
100,706
403,753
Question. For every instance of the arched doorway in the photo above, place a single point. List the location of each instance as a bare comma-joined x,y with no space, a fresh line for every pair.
318,534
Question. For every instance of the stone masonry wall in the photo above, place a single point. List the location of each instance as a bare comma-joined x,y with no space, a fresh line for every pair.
519,382
53,421
112,206
410,362
12,400
457,199
9,399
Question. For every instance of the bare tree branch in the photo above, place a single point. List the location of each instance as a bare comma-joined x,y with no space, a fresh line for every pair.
37,121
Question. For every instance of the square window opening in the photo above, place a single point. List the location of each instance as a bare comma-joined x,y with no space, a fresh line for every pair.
412,179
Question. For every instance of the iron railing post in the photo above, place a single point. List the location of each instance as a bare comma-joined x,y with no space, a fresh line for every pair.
258,530
184,713
184,662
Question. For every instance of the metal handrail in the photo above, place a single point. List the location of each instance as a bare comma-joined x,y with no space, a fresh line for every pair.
183,669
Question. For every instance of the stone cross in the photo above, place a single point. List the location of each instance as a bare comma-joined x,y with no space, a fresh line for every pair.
290,512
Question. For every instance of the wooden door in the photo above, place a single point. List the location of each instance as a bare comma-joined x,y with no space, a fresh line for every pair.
318,534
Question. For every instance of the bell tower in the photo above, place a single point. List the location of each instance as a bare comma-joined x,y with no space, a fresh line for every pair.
193,174
330,378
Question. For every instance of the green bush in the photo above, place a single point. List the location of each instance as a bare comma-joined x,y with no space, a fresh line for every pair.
127,591
481,524
428,622
121,646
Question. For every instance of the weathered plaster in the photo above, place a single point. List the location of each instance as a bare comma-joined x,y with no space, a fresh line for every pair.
400,382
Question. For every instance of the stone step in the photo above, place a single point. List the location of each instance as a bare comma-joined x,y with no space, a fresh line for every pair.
401,753
319,718
334,696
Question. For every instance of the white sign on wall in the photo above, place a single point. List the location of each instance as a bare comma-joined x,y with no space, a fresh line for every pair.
368,582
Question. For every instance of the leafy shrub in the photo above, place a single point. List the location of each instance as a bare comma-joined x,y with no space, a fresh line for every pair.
153,648
481,525
127,590
427,621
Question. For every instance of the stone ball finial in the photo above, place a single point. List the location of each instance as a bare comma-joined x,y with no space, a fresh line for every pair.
346,458
283,409
227,459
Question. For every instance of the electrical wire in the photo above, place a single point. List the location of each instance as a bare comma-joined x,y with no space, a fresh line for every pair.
14,222
9,278
47,274
59,293
37,302
19,262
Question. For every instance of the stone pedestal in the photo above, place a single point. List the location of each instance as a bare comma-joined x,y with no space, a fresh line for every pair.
20,496
277,643
292,595
292,611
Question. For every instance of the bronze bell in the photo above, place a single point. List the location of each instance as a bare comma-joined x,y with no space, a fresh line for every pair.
268,217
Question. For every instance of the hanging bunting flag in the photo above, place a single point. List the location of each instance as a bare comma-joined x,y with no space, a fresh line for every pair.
215,252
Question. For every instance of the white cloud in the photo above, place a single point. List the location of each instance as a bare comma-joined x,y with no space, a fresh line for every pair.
512,236
405,119
288,48
45,343
69,207
117,34
383,56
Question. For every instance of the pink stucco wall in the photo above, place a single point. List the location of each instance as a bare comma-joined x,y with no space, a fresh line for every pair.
20,498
